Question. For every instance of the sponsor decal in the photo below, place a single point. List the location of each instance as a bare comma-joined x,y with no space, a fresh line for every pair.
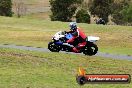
83,78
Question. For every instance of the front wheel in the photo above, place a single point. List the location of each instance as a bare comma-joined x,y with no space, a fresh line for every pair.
53,48
90,49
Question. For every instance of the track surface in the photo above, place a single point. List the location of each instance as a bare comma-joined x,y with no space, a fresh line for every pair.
106,55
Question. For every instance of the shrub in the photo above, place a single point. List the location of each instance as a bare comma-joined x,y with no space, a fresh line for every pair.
82,16
6,8
63,10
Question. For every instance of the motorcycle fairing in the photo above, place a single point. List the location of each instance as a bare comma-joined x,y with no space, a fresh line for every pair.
69,36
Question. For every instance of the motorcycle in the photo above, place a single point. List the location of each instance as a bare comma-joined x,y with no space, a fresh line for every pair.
58,43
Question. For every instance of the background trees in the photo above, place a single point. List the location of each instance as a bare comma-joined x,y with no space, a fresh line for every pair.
6,8
101,8
20,8
122,12
82,16
63,10
127,14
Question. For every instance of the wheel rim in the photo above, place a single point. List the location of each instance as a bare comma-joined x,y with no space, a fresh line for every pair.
90,50
54,47
93,49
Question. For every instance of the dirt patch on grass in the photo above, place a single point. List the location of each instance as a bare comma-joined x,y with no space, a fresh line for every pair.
20,59
17,54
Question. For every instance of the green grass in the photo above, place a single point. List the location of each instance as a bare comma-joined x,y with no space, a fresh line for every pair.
26,69
38,32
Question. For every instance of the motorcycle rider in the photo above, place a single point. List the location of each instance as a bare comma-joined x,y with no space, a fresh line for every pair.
77,34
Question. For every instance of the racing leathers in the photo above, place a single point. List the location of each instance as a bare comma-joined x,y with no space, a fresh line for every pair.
80,35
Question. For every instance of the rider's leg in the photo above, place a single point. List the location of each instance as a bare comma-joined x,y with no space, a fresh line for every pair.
81,45
75,50
78,47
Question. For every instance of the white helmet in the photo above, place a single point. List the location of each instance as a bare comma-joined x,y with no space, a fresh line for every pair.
73,26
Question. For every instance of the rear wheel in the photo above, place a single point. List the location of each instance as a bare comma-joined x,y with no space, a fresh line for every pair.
53,48
90,49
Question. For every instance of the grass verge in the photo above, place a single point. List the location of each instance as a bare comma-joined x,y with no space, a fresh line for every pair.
26,69
36,32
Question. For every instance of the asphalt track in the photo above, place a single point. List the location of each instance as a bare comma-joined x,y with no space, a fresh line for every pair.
106,55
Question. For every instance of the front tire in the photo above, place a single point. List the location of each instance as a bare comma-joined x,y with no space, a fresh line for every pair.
53,48
90,49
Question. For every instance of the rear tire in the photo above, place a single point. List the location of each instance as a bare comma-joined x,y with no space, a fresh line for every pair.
90,49
53,48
